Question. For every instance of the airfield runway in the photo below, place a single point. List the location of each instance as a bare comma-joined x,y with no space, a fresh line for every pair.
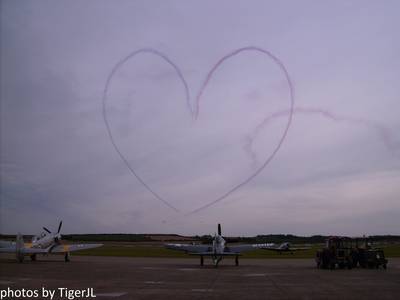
176,278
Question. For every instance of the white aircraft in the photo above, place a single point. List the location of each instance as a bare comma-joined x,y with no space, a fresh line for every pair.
45,243
217,251
284,247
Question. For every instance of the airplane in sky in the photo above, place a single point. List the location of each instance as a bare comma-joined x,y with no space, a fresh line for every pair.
217,250
284,247
45,243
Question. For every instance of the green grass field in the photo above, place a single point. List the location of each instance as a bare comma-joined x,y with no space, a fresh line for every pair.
157,250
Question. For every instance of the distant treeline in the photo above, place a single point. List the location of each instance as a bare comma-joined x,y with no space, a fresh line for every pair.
315,239
115,237
269,238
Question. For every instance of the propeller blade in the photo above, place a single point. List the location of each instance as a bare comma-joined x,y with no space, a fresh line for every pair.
59,227
219,229
46,230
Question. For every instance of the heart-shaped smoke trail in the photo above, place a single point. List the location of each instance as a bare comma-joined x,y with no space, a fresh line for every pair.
195,113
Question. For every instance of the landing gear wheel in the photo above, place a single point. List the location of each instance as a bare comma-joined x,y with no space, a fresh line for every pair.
20,258
237,260
201,261
33,257
66,257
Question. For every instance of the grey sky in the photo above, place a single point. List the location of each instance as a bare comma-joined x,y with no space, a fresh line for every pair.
329,177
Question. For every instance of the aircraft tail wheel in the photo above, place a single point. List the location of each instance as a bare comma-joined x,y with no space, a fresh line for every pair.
66,257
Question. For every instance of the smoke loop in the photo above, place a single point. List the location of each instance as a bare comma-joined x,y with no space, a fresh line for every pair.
195,113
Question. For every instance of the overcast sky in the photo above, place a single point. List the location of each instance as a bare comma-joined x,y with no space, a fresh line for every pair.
337,172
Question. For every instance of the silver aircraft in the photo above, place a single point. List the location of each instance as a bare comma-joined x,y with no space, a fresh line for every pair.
44,243
284,247
217,250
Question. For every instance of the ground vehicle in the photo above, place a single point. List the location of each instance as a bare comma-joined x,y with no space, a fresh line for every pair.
368,257
372,258
346,252
338,251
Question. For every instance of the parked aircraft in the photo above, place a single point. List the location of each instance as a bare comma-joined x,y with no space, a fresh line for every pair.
284,247
217,250
45,243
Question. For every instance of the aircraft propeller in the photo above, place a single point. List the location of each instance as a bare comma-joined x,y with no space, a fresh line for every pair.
46,230
59,227
57,236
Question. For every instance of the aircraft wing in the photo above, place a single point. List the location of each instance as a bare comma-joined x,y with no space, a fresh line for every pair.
233,250
13,249
73,247
33,251
56,249
206,249
7,249
299,249
244,248
211,253
5,244
193,249
276,249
